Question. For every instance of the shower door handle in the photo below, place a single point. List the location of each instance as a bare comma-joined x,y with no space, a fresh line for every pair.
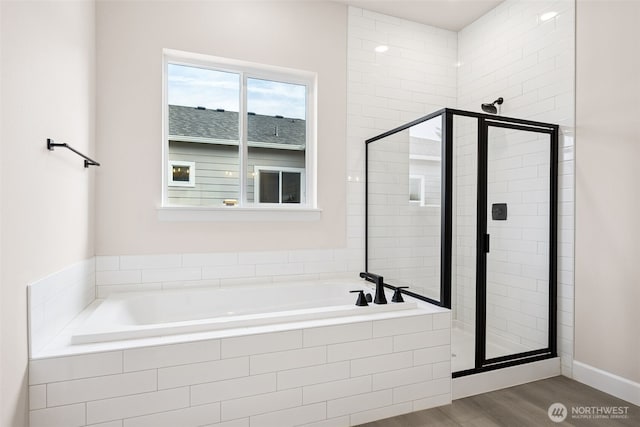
487,240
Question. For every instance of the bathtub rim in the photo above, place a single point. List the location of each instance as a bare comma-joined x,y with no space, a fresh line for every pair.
241,322
61,345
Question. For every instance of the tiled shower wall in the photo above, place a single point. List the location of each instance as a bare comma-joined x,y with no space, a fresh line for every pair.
465,187
517,265
510,52
404,236
415,77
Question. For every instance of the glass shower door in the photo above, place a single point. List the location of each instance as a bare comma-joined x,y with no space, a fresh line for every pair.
463,268
461,207
516,250
404,208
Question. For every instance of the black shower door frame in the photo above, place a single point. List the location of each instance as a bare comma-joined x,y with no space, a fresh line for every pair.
484,122
446,197
482,363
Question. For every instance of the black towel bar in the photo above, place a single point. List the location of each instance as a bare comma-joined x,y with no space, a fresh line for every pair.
88,161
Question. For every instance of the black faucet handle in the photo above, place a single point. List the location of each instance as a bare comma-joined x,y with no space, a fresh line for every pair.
397,294
362,300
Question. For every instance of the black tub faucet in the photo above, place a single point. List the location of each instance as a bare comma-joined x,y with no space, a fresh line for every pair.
379,281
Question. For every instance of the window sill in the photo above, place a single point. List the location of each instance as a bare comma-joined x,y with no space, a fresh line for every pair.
236,214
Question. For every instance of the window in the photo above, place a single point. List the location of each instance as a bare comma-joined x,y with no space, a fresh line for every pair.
279,186
244,132
182,174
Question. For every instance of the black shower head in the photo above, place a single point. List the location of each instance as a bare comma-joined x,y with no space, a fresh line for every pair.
491,108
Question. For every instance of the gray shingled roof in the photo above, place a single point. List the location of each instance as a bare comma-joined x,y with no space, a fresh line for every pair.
219,124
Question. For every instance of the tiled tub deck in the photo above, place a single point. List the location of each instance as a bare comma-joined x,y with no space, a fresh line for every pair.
333,372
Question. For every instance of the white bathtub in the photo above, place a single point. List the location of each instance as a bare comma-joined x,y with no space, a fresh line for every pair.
157,313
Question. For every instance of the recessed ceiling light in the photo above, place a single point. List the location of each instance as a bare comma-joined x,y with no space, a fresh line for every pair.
548,15
382,48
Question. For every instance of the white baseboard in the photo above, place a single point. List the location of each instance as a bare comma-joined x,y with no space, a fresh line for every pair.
607,382
484,382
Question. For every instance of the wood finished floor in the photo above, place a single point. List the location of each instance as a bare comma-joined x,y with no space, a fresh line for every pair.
521,406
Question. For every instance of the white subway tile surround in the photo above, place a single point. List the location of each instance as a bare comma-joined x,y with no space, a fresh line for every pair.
342,374
510,52
414,77
56,299
156,272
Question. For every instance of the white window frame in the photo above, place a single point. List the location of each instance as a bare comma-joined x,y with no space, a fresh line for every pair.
192,174
256,185
169,212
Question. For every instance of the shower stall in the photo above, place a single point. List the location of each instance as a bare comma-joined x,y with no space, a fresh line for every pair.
461,207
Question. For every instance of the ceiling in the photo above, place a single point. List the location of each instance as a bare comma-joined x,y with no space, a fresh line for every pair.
448,14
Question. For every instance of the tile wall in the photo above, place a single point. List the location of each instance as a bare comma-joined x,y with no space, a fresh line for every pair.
337,375
404,235
56,299
414,77
158,272
510,52
517,264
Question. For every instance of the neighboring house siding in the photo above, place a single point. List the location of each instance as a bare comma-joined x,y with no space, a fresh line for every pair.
213,163
217,169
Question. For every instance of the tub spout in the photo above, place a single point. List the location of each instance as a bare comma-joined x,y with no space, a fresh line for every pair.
379,281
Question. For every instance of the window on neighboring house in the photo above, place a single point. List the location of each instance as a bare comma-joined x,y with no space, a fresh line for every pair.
182,174
279,185
246,131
